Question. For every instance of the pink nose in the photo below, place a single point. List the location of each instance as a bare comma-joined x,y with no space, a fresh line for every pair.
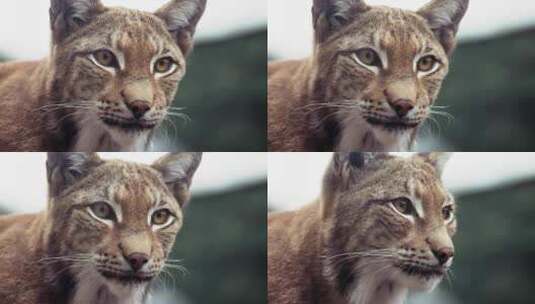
443,255
402,107
138,108
137,260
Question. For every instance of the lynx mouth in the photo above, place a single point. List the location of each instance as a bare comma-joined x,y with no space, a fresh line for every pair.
129,125
392,125
126,277
425,271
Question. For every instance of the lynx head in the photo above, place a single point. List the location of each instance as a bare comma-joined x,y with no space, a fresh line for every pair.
115,221
388,218
385,65
119,69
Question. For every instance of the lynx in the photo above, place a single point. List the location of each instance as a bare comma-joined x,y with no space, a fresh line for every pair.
105,235
108,83
371,81
382,226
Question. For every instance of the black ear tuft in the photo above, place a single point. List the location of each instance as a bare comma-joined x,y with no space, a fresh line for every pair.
356,159
66,16
65,169
330,15
181,18
177,170
444,17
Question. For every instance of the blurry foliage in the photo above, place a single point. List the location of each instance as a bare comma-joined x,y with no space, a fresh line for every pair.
495,246
224,93
490,91
223,244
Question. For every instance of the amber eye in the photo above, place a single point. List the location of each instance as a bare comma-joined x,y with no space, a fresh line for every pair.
103,211
427,63
164,65
161,217
105,58
447,213
369,57
403,206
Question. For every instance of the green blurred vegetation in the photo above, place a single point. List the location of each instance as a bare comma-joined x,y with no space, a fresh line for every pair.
223,245
224,93
494,246
490,92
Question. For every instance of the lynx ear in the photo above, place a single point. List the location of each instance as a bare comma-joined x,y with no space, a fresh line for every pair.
181,17
343,170
177,171
444,17
64,169
437,159
66,16
330,15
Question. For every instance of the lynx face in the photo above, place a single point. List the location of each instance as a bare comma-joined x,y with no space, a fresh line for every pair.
118,69
391,219
115,221
384,66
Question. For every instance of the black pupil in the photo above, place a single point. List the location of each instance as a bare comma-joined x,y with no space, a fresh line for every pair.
105,57
426,63
403,207
103,210
446,212
163,64
160,216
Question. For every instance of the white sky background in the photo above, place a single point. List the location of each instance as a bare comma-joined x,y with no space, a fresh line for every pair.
294,179
23,186
290,21
25,33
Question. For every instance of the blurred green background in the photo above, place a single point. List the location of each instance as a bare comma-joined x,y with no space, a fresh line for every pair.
494,248
490,92
224,93
223,246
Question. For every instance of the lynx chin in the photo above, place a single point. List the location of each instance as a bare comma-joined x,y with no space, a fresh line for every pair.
382,227
371,81
105,235
108,83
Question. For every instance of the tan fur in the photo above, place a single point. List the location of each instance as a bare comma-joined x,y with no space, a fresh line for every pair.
330,101
349,247
67,102
65,255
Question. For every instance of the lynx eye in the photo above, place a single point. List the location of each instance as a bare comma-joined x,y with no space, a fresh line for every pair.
447,213
102,210
164,65
368,57
105,58
403,206
161,217
427,64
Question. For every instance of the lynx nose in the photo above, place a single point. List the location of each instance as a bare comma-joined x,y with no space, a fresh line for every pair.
138,108
137,260
443,255
401,106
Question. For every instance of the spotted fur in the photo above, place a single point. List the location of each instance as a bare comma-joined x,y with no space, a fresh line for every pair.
67,255
331,101
68,102
352,246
